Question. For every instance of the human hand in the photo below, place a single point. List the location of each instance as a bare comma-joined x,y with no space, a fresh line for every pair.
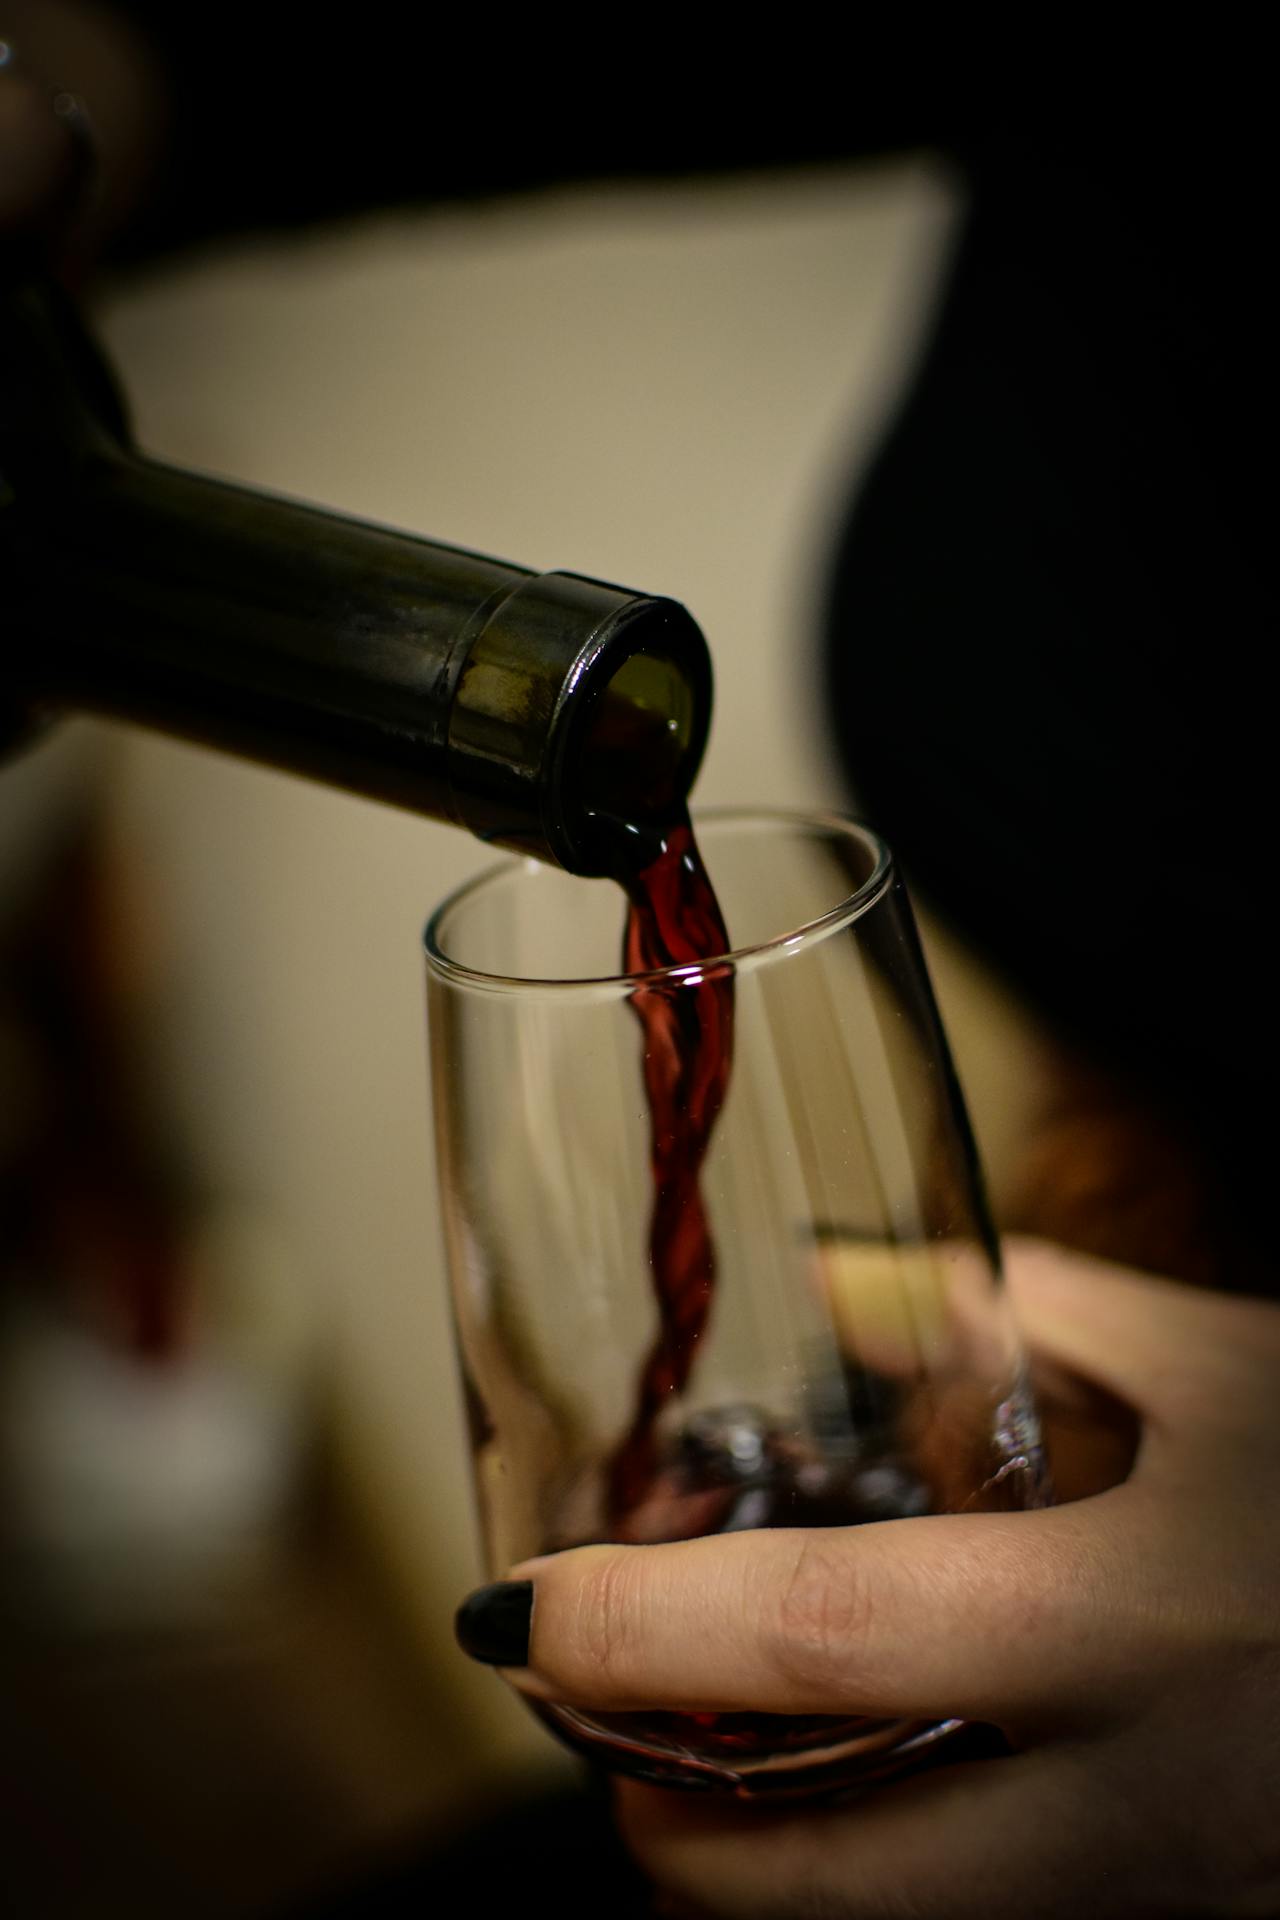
1127,1644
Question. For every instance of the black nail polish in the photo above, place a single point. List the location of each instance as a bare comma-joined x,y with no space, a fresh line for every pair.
492,1624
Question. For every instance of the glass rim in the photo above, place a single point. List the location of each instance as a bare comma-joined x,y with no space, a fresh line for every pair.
738,960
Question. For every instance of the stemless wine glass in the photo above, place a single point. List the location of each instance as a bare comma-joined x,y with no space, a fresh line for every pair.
857,1360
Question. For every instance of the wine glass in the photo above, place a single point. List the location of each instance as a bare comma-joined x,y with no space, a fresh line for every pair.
840,1351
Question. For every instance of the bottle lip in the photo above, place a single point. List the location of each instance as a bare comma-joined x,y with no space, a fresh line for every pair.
527,686
738,960
645,624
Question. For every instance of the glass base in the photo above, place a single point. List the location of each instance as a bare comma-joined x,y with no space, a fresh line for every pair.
748,1755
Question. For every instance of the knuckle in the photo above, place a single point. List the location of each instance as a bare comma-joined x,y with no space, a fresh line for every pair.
820,1618
605,1624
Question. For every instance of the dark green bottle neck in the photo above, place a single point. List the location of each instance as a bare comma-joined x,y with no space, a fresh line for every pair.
404,670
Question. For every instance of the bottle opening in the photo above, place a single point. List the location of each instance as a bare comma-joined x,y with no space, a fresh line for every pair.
576,701
638,748
636,742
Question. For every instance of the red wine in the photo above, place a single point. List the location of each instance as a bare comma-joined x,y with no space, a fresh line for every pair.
673,920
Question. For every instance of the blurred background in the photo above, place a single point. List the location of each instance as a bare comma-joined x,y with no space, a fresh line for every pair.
235,1512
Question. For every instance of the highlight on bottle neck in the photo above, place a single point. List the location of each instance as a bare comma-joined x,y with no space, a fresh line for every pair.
577,700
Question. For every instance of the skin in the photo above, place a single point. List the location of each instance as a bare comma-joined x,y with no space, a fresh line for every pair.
1127,1643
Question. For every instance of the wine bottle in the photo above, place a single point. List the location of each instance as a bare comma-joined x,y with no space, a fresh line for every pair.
518,704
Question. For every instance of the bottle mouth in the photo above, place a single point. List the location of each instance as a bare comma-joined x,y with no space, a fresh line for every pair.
576,699
636,716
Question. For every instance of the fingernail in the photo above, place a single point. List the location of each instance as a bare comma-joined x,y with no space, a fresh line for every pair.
492,1624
